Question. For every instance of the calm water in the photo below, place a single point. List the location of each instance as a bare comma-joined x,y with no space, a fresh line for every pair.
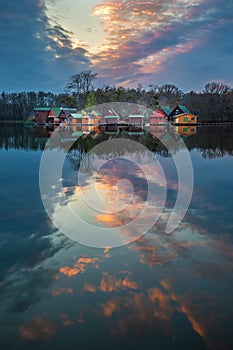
166,290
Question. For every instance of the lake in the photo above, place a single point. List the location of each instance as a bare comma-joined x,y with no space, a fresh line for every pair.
169,290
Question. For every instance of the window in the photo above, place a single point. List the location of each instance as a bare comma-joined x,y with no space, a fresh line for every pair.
193,118
186,119
185,129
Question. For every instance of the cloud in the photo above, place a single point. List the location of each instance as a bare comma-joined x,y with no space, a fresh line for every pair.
35,53
143,37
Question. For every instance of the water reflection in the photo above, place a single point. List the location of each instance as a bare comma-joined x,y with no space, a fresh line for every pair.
170,290
213,141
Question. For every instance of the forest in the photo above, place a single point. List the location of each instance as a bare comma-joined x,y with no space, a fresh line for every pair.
213,104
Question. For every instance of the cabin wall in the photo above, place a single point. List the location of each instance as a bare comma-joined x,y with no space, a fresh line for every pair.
41,116
157,119
185,119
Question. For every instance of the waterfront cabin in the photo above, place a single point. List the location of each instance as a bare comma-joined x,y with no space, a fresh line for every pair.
65,113
93,119
75,118
41,114
182,116
160,116
53,117
136,119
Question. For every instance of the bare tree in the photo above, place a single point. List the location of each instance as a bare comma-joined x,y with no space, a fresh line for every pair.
80,83
216,88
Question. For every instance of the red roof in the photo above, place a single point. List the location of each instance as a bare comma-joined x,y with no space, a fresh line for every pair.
158,113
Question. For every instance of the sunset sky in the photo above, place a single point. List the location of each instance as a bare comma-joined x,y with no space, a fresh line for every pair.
186,42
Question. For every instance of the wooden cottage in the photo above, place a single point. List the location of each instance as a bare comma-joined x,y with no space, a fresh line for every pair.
75,118
93,119
65,113
41,114
160,116
53,116
182,116
136,119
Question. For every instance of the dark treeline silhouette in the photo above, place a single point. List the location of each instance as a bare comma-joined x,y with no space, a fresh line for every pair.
213,104
14,136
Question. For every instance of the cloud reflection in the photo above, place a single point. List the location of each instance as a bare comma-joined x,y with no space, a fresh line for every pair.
80,266
39,329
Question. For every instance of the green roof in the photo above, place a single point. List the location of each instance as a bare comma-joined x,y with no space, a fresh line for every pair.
77,133
56,111
111,132
136,132
166,110
184,109
42,108
77,115
111,116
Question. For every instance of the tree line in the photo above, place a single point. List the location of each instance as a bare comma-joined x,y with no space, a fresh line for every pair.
213,104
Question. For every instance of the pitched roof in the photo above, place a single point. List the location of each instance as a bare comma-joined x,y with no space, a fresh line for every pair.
165,109
56,111
42,109
184,109
77,115
65,109
92,116
135,116
158,114
111,116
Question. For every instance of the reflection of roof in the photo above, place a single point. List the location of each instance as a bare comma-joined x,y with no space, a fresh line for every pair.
135,132
136,116
111,132
77,133
42,108
77,115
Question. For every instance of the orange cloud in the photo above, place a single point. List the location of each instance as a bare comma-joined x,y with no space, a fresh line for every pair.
112,283
37,330
145,30
109,307
60,291
66,322
89,288
79,267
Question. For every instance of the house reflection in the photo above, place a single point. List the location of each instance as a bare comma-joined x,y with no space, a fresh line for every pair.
158,130
186,130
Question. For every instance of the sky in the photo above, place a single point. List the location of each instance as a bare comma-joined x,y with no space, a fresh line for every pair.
186,42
